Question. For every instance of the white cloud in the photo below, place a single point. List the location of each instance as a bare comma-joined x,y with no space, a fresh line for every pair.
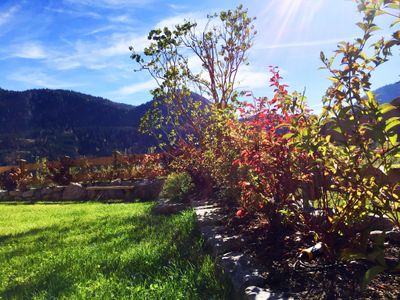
75,13
180,18
110,3
249,78
31,50
7,15
177,6
120,19
104,52
107,51
28,50
134,88
101,30
40,79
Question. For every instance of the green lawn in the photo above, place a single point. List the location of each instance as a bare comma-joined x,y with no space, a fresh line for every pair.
102,251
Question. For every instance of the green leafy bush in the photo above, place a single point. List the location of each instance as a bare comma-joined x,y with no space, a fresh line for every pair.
177,187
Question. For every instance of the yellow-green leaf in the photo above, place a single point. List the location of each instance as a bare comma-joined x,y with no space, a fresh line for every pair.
386,107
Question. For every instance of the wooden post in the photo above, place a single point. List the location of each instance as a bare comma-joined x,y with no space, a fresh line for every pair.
115,158
22,164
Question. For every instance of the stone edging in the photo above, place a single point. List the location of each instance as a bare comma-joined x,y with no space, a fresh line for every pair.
145,190
246,279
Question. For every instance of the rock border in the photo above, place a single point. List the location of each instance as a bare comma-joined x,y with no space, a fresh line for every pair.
247,281
144,190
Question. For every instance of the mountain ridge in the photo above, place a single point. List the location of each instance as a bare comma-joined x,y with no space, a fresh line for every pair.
39,123
388,93
52,123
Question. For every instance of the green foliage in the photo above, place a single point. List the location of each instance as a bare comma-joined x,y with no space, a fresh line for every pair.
221,47
355,145
177,187
280,156
102,251
196,128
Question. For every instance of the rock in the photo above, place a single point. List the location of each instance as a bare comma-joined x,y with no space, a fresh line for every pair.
209,215
114,194
168,208
15,194
257,293
221,243
116,182
28,194
127,183
56,196
148,190
375,223
74,191
380,223
59,188
3,195
375,233
93,195
46,191
238,267
209,232
393,236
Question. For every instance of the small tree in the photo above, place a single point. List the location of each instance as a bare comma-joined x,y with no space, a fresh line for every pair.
221,47
196,127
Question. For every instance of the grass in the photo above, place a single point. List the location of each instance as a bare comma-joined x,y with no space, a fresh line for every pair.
102,251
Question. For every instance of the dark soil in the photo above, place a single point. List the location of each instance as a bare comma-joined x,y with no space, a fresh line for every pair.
315,279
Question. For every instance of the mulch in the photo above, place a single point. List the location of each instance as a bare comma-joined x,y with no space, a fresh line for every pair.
316,279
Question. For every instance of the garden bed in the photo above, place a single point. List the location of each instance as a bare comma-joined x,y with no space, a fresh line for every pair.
316,279
259,265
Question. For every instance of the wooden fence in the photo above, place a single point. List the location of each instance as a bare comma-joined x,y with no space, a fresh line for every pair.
113,160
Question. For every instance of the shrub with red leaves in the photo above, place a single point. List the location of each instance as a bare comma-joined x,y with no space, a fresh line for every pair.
273,168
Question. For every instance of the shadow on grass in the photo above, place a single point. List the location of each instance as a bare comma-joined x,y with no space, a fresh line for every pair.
53,284
69,202
139,250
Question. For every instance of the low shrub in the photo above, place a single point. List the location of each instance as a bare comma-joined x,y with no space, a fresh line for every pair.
15,178
60,171
177,187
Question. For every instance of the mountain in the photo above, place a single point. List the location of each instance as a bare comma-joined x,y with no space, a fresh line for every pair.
52,123
388,92
44,123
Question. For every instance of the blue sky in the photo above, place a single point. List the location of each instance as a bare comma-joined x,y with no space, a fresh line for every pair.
83,45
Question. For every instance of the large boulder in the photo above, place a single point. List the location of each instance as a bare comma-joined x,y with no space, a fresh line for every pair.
3,195
15,195
28,194
74,191
114,195
148,190
374,223
54,193
165,207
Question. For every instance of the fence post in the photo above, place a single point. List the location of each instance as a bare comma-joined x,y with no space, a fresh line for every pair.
115,155
22,164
